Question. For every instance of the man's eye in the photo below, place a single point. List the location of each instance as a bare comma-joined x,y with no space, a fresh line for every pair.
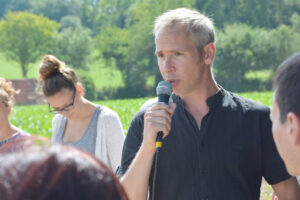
160,55
178,53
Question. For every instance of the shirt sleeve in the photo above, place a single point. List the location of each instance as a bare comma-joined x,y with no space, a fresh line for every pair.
132,142
274,170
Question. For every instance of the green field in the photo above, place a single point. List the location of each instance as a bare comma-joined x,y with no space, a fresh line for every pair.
37,120
12,70
103,76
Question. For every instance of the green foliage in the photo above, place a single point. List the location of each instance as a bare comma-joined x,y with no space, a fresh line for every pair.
35,119
132,46
70,21
54,9
258,13
74,47
287,42
87,10
295,20
24,37
113,12
242,49
121,31
88,85
13,5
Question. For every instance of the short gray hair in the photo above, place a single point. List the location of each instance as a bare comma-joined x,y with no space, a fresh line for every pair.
200,26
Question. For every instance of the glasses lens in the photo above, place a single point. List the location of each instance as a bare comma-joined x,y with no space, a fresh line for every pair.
67,108
52,110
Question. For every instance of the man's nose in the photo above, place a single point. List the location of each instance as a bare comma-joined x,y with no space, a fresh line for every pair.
168,63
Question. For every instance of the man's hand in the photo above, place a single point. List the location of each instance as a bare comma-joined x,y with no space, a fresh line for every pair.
157,118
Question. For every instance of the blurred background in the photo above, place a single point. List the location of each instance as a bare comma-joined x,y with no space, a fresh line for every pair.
109,42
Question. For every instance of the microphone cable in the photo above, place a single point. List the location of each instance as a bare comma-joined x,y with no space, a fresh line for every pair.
158,145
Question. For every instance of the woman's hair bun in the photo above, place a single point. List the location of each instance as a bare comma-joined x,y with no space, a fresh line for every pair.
49,65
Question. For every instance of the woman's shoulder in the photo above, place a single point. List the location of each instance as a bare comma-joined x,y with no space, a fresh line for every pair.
107,112
24,133
57,118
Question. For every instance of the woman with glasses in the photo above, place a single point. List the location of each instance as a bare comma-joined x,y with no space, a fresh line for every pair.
79,122
8,132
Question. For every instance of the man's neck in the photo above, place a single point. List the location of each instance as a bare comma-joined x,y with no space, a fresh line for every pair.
197,98
195,102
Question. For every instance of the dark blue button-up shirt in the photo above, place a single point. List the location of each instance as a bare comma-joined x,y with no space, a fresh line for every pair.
225,159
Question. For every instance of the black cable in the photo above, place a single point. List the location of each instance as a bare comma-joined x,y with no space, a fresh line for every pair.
158,147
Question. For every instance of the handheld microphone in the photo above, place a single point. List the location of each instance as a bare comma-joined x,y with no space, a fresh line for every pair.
163,91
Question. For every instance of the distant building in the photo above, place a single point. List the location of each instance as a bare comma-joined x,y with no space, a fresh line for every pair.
28,93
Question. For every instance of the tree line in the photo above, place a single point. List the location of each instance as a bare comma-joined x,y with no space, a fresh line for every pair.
253,37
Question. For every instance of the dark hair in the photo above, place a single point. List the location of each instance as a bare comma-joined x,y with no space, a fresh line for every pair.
54,76
56,172
287,86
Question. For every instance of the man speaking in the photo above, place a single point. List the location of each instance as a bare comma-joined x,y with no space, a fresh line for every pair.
217,145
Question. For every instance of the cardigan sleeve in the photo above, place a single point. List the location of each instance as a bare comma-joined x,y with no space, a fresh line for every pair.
114,137
56,121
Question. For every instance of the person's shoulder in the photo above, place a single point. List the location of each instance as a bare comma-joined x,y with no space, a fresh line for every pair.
24,133
246,104
57,118
142,110
148,104
107,113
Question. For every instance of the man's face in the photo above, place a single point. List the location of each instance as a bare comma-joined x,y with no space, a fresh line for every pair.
281,138
179,60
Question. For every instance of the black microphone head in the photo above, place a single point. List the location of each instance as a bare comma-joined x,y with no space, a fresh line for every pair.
164,88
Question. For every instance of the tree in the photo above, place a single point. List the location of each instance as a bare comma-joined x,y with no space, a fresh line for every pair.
55,9
242,49
73,46
132,46
13,5
24,37
257,13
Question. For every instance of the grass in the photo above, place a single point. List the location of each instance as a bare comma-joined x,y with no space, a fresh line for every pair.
104,76
37,120
262,97
12,70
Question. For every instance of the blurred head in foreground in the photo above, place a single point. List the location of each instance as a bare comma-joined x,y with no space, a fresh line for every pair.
56,172
285,113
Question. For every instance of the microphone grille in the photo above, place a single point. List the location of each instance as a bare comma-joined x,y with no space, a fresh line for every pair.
164,87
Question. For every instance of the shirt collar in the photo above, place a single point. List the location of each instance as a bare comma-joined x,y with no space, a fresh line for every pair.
211,101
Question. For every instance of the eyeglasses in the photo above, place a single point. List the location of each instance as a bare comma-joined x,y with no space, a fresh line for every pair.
66,108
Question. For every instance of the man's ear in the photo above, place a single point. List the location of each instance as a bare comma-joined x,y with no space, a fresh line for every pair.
293,128
209,53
